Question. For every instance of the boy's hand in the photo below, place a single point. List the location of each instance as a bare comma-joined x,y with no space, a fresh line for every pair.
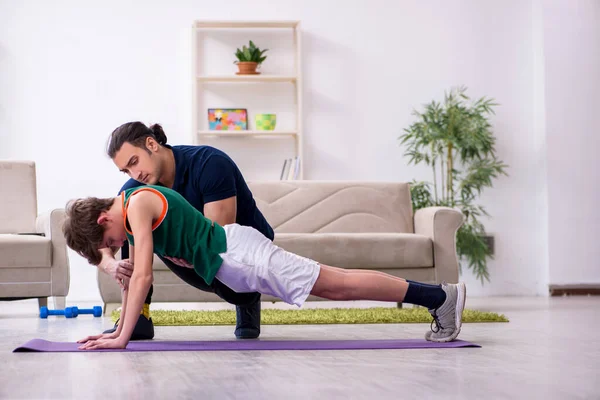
121,271
113,335
116,343
179,261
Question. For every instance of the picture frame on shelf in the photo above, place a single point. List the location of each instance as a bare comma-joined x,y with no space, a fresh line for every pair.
227,119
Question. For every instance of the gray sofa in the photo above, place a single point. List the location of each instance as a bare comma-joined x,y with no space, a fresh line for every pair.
367,225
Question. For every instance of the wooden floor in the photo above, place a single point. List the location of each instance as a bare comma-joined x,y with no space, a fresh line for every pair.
549,350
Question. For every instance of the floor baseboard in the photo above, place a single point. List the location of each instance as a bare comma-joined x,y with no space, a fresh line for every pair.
575,290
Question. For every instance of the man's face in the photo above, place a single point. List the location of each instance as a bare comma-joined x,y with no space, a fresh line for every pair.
138,164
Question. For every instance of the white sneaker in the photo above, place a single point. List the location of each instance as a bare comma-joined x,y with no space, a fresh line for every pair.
448,317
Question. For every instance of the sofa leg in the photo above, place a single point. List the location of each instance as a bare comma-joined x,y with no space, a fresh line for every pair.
110,307
399,305
60,302
42,302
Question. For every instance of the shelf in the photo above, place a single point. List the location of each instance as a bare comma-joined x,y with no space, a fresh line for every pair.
210,77
248,133
245,24
247,78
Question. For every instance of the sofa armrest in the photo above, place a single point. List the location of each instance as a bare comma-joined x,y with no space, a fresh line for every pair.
440,225
50,224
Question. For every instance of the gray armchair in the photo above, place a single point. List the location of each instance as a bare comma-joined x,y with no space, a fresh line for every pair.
33,251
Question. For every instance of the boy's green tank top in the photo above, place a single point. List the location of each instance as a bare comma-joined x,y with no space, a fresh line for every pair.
182,232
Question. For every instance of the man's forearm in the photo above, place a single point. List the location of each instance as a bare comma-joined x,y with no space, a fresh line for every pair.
108,255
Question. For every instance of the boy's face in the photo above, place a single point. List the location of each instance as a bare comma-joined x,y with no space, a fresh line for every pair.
138,163
114,231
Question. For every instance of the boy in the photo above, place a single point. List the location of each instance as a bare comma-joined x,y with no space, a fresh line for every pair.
155,219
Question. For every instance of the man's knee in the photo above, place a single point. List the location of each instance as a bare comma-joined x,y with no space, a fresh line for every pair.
232,297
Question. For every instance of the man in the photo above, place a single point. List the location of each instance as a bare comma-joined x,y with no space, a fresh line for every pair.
212,183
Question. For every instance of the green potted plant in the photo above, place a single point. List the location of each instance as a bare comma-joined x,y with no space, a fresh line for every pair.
456,140
249,58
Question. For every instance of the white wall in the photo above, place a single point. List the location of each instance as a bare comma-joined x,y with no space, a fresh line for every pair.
572,54
71,73
539,205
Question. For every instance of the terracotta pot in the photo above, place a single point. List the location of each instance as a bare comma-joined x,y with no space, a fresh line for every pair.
247,68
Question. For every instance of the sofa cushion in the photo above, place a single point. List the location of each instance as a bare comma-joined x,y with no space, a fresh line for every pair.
19,196
25,251
361,250
355,250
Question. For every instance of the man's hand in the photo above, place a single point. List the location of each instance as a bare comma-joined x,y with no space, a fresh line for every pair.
121,271
102,336
117,343
179,261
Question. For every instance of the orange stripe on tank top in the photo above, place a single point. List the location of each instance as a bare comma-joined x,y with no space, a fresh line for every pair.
160,219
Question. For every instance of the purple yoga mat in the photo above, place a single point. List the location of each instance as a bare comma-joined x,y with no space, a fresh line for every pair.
40,345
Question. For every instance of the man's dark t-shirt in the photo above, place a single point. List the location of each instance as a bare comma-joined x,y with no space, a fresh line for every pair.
204,174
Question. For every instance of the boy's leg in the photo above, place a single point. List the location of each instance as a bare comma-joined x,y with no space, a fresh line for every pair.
247,304
445,303
344,284
369,271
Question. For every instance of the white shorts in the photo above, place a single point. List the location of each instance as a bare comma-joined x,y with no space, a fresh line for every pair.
253,263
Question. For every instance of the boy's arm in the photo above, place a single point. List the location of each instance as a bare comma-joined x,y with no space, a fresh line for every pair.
143,209
116,333
124,296
141,212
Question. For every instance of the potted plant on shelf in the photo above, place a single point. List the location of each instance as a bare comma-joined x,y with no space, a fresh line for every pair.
456,140
249,58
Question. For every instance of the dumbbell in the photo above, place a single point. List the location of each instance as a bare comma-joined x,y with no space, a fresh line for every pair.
96,311
67,312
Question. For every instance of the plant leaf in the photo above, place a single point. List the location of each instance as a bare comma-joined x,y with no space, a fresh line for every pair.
458,128
239,55
247,54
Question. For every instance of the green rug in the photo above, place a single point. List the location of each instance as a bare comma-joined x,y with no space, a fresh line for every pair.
312,316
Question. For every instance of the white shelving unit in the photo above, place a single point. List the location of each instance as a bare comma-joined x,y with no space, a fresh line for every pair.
259,154
247,78
276,133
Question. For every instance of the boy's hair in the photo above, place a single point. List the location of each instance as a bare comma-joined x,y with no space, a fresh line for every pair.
134,133
81,229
